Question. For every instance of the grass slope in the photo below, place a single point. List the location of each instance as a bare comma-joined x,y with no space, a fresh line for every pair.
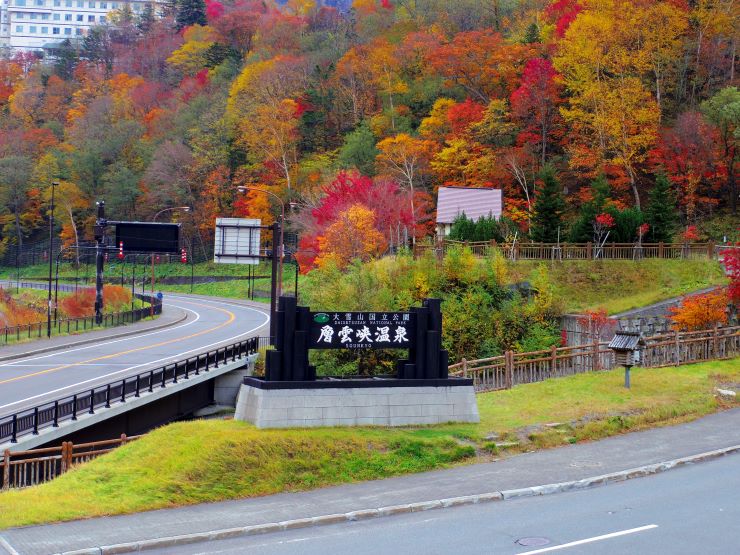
201,461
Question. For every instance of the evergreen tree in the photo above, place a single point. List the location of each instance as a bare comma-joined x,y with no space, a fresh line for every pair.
190,12
146,19
66,60
549,206
532,35
661,211
582,230
359,150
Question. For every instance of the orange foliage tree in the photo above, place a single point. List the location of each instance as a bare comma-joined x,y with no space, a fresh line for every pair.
353,235
700,312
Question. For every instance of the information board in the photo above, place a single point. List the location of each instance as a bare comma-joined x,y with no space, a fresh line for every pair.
148,237
237,241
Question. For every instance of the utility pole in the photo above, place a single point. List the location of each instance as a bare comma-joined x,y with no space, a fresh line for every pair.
100,224
51,242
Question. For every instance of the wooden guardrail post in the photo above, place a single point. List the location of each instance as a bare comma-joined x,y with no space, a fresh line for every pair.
596,363
509,369
123,439
553,360
715,341
678,348
710,250
465,367
589,250
661,253
6,470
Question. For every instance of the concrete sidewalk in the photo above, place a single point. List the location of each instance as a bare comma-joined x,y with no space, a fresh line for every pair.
169,317
574,462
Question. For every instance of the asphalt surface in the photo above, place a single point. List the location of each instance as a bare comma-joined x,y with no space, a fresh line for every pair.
37,378
689,510
573,462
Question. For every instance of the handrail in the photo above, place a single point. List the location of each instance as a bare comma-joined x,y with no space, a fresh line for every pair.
50,414
69,325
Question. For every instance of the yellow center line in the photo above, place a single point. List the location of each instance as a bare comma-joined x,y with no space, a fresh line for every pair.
232,317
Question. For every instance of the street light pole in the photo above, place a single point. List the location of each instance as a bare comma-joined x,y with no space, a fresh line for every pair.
281,247
51,239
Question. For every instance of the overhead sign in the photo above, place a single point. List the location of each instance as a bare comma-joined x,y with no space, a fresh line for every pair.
362,330
148,237
237,241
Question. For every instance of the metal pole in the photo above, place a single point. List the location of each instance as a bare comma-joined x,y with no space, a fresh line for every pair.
51,240
151,303
99,261
273,281
282,250
56,286
133,283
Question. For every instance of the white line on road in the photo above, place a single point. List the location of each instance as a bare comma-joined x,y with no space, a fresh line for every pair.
100,378
591,540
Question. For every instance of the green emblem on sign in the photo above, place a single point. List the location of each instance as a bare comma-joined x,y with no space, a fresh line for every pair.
321,318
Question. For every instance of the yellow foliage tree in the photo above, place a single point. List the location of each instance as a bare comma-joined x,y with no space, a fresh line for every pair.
352,236
190,58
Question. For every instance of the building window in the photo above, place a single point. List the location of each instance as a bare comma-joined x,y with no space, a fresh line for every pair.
57,3
55,30
32,16
91,18
19,28
78,31
44,30
104,5
45,16
102,19
68,3
68,30
67,17
91,4
114,5
79,17
80,4
39,2
57,17
20,2
32,29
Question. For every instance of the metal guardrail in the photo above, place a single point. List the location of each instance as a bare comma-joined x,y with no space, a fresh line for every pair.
50,414
84,323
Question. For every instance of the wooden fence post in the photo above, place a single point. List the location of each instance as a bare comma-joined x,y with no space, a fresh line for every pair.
596,363
6,470
70,449
589,251
508,369
710,250
715,342
661,253
465,367
63,460
678,348
553,360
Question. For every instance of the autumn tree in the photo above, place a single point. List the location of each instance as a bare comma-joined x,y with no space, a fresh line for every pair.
190,12
700,312
15,174
723,110
661,211
352,236
408,159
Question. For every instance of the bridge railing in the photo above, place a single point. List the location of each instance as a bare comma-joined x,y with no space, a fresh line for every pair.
52,413
67,326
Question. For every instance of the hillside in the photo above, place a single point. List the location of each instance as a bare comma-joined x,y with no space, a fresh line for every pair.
357,115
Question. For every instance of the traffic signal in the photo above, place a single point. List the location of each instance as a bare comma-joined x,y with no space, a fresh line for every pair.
120,250
183,256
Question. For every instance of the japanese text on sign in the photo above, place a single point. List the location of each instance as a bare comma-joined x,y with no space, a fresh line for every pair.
362,330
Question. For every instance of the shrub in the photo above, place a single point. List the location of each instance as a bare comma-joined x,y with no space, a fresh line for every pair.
700,312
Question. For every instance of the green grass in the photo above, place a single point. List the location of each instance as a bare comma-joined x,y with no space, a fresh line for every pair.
620,285
213,460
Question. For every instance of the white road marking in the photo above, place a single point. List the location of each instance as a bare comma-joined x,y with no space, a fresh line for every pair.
111,342
100,378
591,540
9,548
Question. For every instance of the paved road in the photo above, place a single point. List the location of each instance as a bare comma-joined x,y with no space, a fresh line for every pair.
689,510
34,379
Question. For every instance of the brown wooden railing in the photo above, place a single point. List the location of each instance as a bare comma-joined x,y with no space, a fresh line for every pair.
579,251
673,349
29,468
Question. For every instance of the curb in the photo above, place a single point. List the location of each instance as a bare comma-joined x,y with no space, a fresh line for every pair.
96,340
367,514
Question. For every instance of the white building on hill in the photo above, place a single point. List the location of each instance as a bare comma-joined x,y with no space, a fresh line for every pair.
475,203
34,24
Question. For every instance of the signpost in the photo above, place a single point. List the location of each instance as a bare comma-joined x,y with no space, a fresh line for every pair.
298,330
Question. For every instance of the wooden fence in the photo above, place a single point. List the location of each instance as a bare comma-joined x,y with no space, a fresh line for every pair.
673,349
579,251
29,468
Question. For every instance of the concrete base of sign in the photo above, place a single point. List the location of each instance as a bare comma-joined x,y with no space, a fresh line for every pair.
356,403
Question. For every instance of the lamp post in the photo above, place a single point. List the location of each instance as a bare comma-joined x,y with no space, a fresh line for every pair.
51,238
154,219
281,247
